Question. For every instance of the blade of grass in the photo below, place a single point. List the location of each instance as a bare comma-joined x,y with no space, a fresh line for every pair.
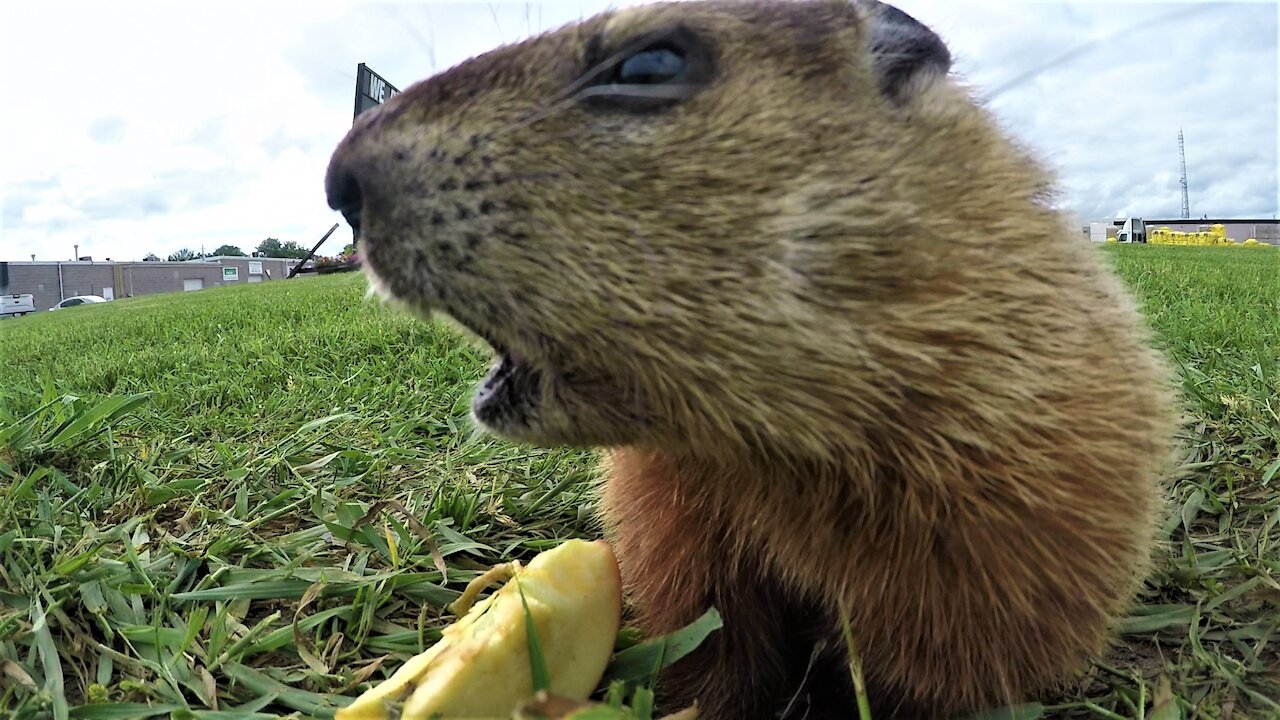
50,661
537,663
855,666
635,664
122,711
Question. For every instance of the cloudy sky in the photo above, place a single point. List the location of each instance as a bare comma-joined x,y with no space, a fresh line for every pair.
133,127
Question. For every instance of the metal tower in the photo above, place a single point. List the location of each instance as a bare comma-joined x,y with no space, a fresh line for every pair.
1182,156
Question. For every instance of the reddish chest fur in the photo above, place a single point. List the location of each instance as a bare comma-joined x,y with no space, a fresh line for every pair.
952,608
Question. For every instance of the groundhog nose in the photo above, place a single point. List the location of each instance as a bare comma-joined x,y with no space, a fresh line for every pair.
344,193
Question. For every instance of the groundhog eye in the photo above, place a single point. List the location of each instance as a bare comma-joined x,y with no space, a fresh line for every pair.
651,66
649,74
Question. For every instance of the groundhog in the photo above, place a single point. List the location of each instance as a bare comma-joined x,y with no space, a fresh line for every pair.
840,350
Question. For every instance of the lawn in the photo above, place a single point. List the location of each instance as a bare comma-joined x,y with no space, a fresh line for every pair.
194,500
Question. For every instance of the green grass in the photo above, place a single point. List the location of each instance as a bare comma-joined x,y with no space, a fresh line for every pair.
190,492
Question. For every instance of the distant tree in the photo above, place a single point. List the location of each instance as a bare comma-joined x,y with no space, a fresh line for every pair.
269,248
227,250
182,255
293,250
272,247
151,257
347,251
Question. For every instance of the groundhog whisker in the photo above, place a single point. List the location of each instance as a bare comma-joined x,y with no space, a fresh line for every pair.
672,92
638,234
428,46
990,96
493,13
540,175
1126,32
533,118
818,647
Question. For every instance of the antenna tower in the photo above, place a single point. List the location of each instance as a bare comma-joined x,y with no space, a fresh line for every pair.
1182,156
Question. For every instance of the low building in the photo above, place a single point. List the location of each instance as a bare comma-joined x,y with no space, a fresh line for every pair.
1134,229
238,268
1238,229
50,282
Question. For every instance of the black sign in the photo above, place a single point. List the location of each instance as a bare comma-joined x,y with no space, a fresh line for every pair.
371,89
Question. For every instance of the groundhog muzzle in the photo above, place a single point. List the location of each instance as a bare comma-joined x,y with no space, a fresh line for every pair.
842,352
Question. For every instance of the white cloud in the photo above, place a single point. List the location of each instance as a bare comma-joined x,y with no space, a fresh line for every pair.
1107,119
147,126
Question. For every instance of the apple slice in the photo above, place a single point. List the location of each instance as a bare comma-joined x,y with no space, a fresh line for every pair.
480,667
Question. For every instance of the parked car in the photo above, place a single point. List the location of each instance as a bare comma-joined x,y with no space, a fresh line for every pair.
14,305
78,300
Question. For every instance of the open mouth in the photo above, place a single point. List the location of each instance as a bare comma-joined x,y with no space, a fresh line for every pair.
509,393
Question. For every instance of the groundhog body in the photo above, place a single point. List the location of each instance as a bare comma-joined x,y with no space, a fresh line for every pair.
842,352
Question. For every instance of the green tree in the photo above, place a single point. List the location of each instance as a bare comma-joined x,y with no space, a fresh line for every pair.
182,255
151,257
269,248
294,250
227,250
272,247
347,251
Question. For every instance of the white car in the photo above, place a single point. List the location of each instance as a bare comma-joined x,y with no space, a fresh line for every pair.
78,300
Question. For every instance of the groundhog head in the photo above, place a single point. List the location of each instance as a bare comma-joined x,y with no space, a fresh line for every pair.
663,220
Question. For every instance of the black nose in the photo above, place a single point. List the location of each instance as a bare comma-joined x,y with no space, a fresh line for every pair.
343,191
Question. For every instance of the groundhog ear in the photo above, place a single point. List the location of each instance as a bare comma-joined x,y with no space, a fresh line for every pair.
906,56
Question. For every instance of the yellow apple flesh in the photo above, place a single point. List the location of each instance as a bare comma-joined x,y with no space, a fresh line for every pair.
480,667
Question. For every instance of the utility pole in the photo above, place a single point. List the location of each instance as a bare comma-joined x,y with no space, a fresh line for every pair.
1182,157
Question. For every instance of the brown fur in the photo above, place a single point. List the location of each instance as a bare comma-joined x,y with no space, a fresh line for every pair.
841,349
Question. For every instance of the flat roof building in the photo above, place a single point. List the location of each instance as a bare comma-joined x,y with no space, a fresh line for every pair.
50,282
1263,230
238,268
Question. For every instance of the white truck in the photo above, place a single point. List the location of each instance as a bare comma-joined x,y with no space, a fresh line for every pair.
15,305
1129,230
1132,231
